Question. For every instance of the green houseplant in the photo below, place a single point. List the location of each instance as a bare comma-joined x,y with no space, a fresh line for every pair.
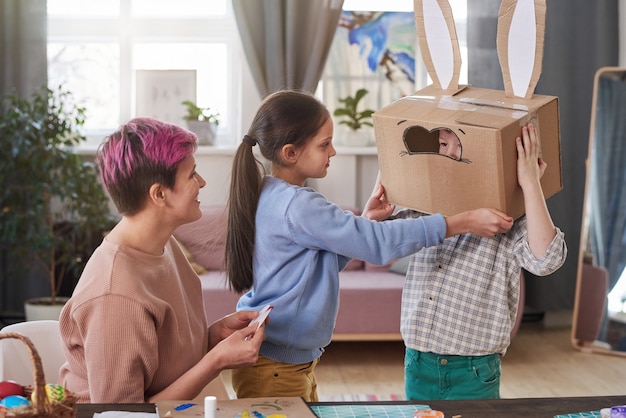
52,205
354,118
203,121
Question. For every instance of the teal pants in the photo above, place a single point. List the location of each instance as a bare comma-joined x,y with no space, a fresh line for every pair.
429,376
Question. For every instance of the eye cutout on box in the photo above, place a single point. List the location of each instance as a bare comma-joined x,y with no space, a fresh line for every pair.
442,142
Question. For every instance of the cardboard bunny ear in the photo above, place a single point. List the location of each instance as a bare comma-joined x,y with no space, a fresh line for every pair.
438,42
521,29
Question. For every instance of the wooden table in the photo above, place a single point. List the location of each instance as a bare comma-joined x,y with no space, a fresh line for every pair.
487,408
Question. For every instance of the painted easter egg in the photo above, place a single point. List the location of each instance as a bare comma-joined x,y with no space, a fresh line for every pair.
55,393
14,401
9,387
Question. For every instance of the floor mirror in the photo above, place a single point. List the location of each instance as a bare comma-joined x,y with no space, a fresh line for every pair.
599,319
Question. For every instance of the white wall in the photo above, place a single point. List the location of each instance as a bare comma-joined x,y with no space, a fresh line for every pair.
350,177
349,182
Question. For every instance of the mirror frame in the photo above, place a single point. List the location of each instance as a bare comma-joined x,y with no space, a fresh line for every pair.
583,346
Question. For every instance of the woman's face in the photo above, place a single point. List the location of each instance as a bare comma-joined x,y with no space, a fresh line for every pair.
185,194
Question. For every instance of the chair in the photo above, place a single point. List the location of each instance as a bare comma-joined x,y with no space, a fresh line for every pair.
15,361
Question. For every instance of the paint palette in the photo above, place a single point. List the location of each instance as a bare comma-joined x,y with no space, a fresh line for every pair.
590,414
367,410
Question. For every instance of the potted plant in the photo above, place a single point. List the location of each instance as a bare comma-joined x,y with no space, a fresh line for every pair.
354,119
52,205
203,121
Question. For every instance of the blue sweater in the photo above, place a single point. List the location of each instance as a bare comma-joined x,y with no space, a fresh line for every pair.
302,242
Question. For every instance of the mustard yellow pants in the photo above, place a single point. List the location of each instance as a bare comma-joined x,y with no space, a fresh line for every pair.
269,378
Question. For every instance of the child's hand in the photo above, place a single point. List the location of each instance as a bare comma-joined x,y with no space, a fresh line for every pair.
377,207
530,165
530,168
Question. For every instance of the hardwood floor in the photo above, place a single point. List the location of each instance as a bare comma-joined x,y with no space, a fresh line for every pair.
540,362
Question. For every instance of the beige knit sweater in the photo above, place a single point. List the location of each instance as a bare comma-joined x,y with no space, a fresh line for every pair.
134,324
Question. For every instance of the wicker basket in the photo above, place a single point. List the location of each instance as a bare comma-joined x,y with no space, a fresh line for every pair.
40,405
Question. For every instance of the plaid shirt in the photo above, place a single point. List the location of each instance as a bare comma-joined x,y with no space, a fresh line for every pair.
461,297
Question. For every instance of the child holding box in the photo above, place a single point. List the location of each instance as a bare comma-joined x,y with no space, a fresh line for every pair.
460,298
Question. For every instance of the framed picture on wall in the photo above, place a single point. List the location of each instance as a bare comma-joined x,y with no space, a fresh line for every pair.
160,93
375,50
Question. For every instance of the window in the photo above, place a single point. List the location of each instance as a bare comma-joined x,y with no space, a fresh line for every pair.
96,49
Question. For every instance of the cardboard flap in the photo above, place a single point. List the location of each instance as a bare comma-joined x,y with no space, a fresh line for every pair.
486,119
438,42
492,113
520,39
495,103
432,92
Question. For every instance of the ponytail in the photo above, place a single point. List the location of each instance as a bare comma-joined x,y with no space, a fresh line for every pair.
245,190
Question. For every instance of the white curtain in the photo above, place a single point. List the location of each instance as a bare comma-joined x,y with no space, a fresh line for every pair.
286,41
23,44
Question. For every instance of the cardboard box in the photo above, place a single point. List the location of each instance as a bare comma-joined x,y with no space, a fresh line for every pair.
487,123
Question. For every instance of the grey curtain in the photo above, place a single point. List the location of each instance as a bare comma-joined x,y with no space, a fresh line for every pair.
23,70
286,41
607,187
581,36
23,45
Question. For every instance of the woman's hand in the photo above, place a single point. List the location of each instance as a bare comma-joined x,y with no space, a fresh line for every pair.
241,348
229,324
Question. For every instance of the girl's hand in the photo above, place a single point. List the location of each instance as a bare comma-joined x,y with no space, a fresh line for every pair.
489,222
483,222
377,207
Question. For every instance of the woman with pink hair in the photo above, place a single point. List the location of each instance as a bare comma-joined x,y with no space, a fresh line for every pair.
135,329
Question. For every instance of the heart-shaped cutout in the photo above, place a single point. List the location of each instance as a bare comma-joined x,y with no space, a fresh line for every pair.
441,141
